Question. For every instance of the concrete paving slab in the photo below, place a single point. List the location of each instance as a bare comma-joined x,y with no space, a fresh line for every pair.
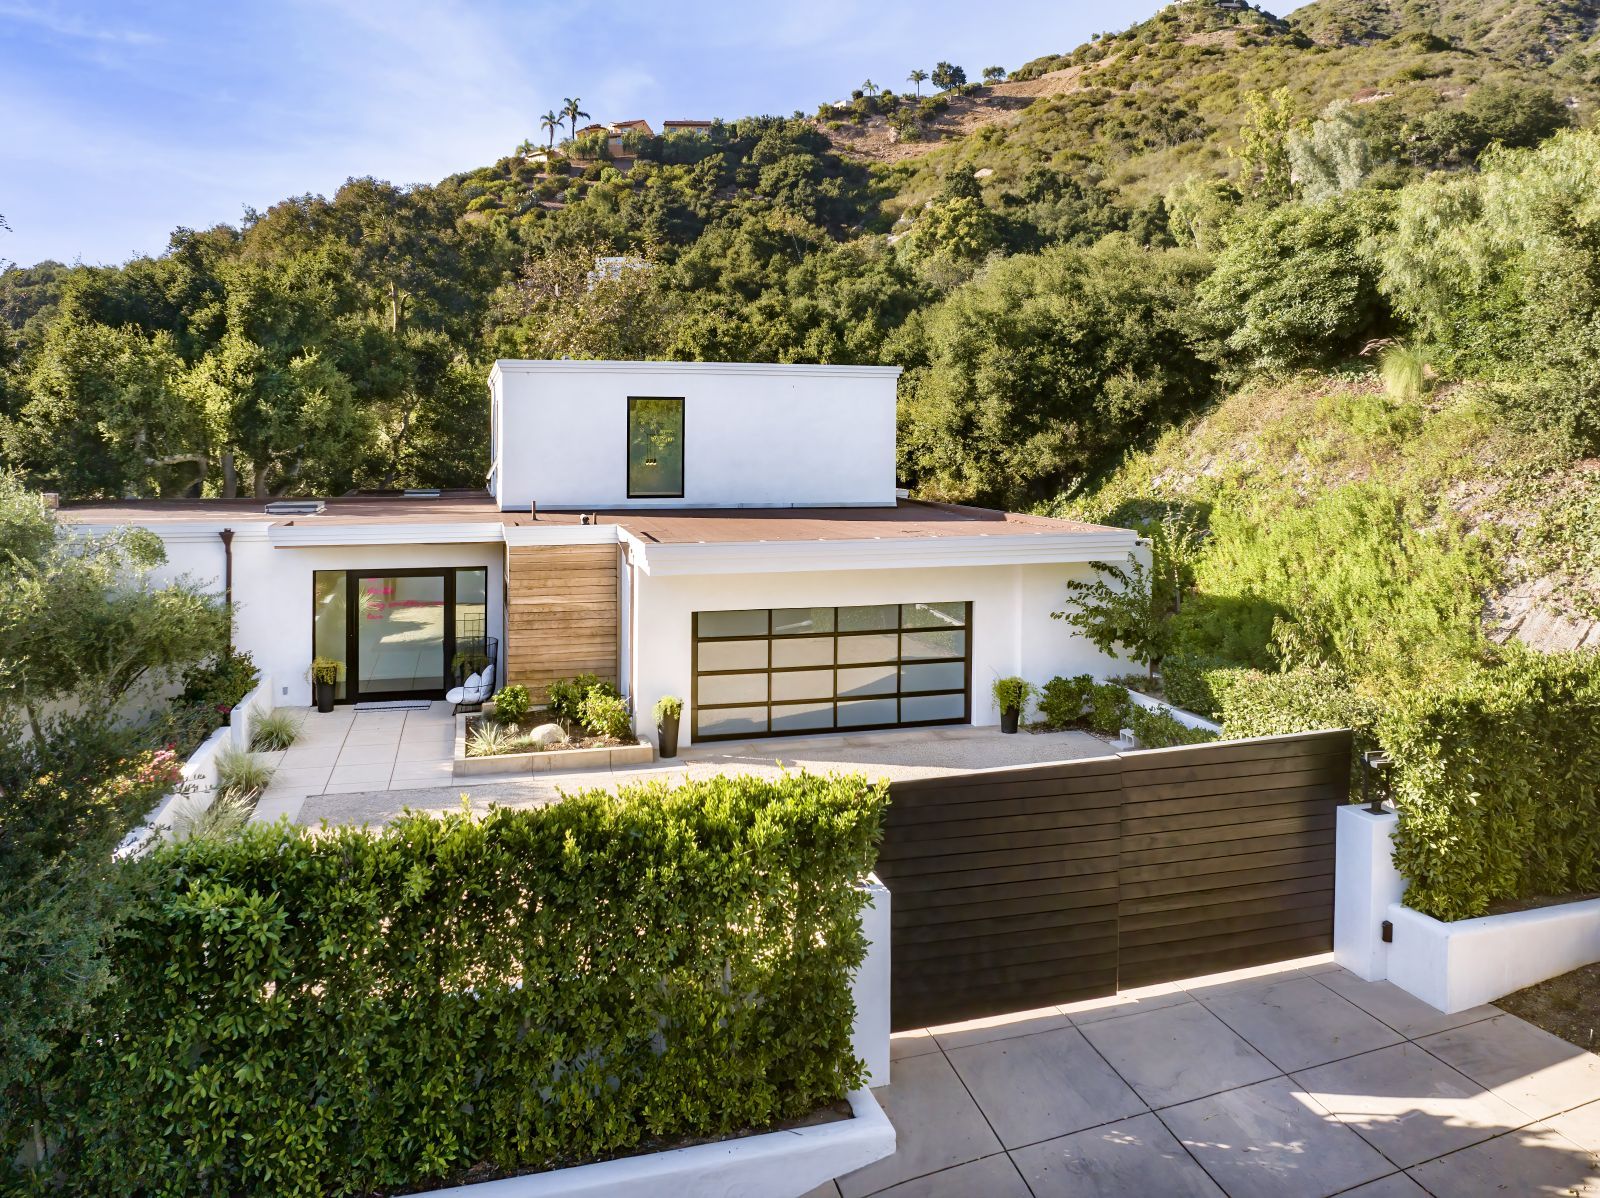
1270,1140
912,1044
1409,1016
1580,1125
1533,1162
1038,1087
1408,1104
990,1177
309,756
368,754
1136,1158
1296,1022
1535,1072
999,1027
1177,1053
1396,1185
937,1123
1129,1002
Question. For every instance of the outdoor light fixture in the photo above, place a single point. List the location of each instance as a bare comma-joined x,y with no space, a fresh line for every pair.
1375,779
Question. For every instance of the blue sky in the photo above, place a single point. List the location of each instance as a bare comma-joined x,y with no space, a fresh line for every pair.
124,120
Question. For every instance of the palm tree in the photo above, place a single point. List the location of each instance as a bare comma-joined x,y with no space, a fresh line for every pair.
524,148
550,122
572,112
870,88
917,77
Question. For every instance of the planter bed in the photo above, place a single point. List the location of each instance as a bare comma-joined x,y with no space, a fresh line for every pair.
545,760
776,1164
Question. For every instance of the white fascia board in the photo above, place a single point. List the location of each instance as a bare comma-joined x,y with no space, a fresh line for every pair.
310,534
176,531
884,553
506,366
561,534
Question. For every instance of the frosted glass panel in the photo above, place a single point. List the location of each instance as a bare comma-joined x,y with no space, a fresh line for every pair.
733,655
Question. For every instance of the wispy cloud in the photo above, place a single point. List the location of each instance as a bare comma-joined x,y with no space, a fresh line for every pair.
52,20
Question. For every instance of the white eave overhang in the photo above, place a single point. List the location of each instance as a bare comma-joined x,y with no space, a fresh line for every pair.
308,533
881,553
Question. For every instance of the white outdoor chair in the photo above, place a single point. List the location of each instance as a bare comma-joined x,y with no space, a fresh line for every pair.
474,691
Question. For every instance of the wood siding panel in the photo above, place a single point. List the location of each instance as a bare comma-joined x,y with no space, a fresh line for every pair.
562,613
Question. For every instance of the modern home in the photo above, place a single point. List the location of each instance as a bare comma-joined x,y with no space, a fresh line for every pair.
701,128
729,533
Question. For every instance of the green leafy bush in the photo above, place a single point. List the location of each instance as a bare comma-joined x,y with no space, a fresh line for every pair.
1108,709
219,684
1255,703
1497,784
606,715
668,707
1158,729
1062,701
566,695
1012,693
512,704
1186,682
364,1011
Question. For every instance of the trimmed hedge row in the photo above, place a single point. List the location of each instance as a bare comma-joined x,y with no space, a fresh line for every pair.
1496,780
351,1011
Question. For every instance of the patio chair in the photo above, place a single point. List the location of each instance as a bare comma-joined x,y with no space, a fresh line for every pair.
472,693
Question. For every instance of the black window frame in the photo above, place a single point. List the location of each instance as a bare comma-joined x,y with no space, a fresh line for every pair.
683,420
899,632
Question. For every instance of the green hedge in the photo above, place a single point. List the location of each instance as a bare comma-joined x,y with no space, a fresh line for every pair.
351,1011
1254,703
1159,730
1497,783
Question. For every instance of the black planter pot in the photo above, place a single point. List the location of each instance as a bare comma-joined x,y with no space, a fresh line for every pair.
667,735
1008,719
324,695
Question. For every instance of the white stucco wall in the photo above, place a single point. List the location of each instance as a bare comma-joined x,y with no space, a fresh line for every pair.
272,588
754,435
1012,631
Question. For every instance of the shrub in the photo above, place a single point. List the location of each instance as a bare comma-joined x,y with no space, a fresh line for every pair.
606,715
1497,785
274,730
1108,709
363,1011
1062,701
1159,730
1254,703
512,704
219,684
566,695
1186,682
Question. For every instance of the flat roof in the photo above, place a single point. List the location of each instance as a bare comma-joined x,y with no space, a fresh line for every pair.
590,366
909,519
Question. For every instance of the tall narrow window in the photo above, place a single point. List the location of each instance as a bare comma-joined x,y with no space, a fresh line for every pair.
655,448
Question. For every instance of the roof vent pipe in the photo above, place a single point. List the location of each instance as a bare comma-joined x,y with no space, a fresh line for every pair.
586,518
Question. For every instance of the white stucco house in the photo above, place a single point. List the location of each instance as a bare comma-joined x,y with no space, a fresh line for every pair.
727,533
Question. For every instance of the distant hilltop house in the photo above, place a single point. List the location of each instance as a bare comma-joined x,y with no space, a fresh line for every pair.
702,127
611,268
615,131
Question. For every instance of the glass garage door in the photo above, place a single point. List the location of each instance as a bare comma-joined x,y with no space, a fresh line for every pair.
820,669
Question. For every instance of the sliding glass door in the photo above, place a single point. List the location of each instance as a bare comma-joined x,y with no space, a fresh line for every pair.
395,633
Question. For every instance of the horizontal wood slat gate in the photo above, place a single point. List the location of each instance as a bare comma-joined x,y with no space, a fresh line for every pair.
1018,888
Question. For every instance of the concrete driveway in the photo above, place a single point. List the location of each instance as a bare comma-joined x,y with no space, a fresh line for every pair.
1295,1081
367,767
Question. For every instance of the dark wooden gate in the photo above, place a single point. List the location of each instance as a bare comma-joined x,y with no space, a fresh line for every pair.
1018,888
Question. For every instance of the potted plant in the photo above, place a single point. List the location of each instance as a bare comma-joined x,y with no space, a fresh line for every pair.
324,677
668,710
1011,695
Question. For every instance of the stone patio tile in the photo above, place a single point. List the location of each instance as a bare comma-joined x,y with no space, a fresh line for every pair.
990,1177
1408,1104
999,1027
1531,1162
302,756
271,807
1409,1016
1177,1053
1581,1126
324,728
435,773
1296,1022
1128,1002
826,1190
1396,1185
1534,1071
271,758
299,782
424,749
1034,1088
374,734
1137,1158
937,1124
912,1043
1270,1140
368,754
346,773
1251,975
